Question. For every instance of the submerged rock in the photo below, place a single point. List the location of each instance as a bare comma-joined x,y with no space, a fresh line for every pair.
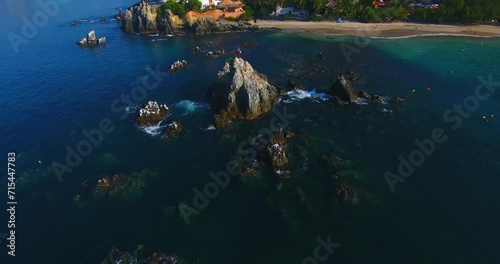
116,256
119,185
249,43
178,65
343,90
240,92
342,177
152,113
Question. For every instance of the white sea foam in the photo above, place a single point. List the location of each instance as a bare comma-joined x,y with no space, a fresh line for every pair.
211,127
362,101
298,94
188,107
385,99
131,109
431,35
154,130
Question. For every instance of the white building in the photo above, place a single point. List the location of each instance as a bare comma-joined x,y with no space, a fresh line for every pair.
281,11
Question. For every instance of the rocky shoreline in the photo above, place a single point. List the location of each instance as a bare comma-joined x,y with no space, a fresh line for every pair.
145,19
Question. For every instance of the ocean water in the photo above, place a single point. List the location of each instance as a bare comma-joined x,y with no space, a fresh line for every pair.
52,89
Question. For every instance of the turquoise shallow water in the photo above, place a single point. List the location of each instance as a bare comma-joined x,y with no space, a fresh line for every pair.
446,212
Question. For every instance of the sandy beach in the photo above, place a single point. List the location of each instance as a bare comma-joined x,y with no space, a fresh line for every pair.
397,29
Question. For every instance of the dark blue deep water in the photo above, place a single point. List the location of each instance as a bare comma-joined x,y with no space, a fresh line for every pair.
52,90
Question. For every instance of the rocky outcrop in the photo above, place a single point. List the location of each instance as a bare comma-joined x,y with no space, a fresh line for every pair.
276,153
168,23
140,18
152,113
120,16
343,90
178,65
378,99
91,40
216,53
119,185
173,129
147,19
196,49
240,92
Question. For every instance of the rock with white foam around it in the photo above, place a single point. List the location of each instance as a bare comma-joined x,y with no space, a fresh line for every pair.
152,113
174,128
178,65
91,40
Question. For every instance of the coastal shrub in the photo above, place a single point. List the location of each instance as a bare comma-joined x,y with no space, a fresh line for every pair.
287,16
232,19
369,15
398,13
175,7
248,15
194,5
315,17
345,9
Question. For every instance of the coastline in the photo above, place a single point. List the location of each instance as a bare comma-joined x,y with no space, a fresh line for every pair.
381,30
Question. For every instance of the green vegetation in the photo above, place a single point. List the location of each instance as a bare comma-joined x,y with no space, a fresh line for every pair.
182,7
449,11
248,15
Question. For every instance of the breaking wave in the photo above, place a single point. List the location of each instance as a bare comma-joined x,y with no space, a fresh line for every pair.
187,107
298,94
153,130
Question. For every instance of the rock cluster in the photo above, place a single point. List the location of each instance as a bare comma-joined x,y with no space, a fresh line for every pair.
208,25
276,153
91,40
240,92
178,65
119,185
342,177
139,256
216,53
152,113
174,128
374,98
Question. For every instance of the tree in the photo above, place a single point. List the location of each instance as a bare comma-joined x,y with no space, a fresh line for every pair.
176,8
194,5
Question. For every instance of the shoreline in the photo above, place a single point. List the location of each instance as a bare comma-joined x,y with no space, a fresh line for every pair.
380,30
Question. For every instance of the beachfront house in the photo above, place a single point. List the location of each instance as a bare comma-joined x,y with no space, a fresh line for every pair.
231,8
281,11
207,4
